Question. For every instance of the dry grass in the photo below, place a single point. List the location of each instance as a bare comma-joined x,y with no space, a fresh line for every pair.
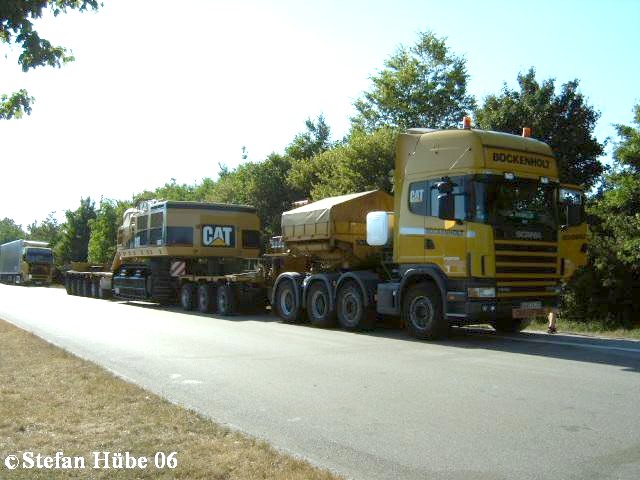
587,328
53,401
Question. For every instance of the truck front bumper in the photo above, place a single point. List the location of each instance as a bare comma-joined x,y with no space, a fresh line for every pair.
491,309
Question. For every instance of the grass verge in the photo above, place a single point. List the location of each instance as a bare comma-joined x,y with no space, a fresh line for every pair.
52,401
586,328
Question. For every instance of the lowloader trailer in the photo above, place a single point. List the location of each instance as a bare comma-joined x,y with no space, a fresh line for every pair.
479,231
25,262
202,255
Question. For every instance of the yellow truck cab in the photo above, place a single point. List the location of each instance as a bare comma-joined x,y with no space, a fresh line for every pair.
478,230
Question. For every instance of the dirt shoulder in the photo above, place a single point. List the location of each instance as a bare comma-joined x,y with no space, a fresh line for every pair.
52,401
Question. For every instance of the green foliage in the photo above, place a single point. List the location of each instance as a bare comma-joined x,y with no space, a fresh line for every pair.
627,151
315,140
15,105
104,230
609,286
16,27
564,120
363,162
74,239
421,86
46,231
261,184
10,231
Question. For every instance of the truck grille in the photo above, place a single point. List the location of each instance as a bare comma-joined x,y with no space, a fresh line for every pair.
526,270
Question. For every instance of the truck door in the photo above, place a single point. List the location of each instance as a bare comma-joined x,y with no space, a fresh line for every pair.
412,223
573,230
446,240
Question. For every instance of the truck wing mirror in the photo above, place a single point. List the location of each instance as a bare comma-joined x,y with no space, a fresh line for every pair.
446,207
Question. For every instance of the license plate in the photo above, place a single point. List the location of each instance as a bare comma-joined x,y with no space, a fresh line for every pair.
530,305
526,312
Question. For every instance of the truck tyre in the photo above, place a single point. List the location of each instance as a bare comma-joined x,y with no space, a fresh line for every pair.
352,312
95,288
422,312
187,294
319,306
511,325
67,285
206,298
286,305
226,300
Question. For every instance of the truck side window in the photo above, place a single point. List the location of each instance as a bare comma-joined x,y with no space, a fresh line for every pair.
418,198
459,199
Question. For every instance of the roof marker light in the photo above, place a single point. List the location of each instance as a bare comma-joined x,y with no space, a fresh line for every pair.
466,123
526,132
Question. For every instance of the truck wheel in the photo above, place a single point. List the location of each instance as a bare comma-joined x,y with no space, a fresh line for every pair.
226,300
352,312
319,306
95,288
206,298
187,296
287,306
422,312
511,325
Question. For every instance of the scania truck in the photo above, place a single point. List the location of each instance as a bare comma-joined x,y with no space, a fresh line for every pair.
24,262
478,231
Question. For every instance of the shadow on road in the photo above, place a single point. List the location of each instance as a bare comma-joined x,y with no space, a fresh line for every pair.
620,353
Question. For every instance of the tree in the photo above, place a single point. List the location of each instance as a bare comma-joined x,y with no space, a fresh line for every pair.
565,121
104,230
420,86
16,27
74,239
10,231
627,151
46,231
261,184
363,162
609,286
315,140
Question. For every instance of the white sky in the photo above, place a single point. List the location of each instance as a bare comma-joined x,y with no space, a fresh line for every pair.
164,89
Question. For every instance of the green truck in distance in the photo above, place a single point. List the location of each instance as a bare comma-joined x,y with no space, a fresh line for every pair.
26,262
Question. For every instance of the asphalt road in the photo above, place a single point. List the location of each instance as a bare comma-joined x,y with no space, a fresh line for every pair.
380,405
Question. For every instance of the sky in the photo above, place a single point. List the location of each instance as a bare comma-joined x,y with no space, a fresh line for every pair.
159,91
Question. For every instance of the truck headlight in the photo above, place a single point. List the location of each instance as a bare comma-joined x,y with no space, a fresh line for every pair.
482,292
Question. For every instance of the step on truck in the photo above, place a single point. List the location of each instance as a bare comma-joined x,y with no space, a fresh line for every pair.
26,262
478,231
201,255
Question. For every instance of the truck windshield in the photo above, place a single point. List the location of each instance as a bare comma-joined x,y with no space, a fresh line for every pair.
39,255
516,202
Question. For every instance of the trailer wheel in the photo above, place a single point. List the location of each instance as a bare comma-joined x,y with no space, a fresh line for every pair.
422,312
95,288
226,300
187,296
511,325
319,306
287,306
352,312
206,298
